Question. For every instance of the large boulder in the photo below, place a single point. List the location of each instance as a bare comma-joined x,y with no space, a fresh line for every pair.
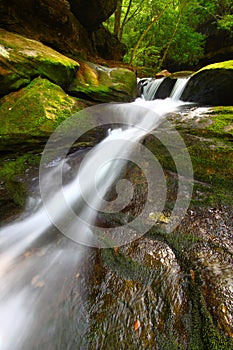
212,85
49,21
93,12
67,26
22,59
35,111
101,84
108,46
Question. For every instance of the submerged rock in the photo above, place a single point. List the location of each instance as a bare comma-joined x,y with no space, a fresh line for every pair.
212,85
101,84
23,59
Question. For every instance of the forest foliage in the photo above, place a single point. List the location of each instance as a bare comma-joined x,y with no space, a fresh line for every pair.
160,31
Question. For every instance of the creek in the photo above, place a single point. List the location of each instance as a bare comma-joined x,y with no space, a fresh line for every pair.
51,294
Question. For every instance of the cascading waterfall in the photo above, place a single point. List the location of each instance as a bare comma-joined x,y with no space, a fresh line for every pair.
150,89
178,88
35,258
151,86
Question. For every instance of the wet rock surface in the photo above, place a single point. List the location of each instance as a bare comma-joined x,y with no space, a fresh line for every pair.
102,84
173,290
212,85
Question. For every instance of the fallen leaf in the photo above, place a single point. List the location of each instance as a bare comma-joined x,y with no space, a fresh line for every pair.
137,325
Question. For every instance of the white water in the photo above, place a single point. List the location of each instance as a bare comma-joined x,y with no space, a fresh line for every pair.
35,270
150,89
178,88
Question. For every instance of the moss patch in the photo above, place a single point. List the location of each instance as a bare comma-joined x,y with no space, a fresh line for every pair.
36,110
11,178
219,65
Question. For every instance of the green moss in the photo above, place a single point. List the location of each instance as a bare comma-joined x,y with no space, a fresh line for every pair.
203,326
11,173
219,65
222,121
126,267
36,110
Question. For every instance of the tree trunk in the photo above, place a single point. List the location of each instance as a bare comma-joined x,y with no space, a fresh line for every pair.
155,19
117,22
173,35
124,20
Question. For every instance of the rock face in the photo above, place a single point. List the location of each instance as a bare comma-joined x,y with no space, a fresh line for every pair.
66,26
141,299
23,59
92,13
107,45
48,21
212,85
34,82
165,88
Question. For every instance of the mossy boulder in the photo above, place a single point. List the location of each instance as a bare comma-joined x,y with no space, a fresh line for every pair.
101,84
36,110
211,85
22,59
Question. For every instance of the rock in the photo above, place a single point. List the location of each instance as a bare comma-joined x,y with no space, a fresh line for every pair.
92,13
23,59
214,267
101,84
163,73
35,111
165,88
212,85
48,21
139,283
108,46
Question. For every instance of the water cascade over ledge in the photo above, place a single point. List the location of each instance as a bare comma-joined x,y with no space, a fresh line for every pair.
35,256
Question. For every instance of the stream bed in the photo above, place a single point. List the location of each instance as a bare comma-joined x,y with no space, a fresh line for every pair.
163,289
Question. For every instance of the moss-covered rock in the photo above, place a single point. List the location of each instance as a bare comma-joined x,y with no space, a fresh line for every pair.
211,85
13,183
36,110
103,84
22,59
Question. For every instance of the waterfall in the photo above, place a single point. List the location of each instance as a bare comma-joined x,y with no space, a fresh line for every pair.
178,88
36,262
150,87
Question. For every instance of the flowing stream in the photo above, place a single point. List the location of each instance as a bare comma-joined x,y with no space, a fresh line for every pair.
38,265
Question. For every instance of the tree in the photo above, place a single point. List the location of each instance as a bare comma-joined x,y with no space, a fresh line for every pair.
117,22
154,19
165,32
